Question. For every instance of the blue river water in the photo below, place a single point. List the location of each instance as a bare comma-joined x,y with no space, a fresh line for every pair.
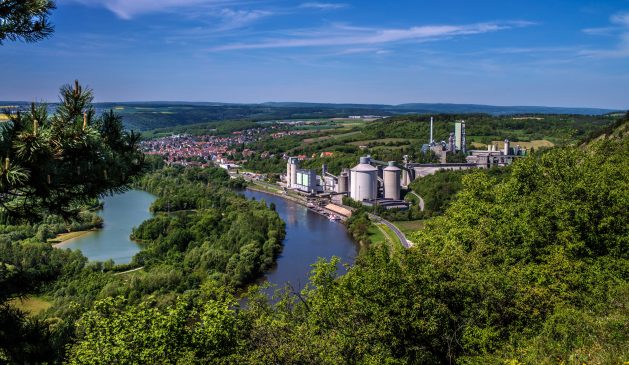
120,214
309,236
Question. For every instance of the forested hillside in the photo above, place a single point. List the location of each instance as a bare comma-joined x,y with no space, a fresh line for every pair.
202,232
529,268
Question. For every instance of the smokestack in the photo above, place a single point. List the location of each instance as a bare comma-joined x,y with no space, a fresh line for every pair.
431,140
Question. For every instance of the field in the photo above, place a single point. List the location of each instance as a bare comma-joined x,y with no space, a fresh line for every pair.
375,234
325,138
31,305
408,227
382,141
528,145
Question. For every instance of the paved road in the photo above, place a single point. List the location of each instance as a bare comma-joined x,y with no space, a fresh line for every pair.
128,271
421,200
395,230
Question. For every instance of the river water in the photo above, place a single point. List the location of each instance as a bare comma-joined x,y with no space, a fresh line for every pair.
309,236
120,214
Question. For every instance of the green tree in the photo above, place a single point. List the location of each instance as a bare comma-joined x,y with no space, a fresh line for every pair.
58,163
25,20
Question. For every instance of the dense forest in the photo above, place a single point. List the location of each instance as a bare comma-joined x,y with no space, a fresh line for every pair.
202,232
525,268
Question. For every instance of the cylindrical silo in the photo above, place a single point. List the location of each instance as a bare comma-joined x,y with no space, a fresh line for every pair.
364,181
392,181
293,166
343,186
507,147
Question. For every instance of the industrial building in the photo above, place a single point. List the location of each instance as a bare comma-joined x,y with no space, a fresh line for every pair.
459,136
306,181
292,166
364,181
495,157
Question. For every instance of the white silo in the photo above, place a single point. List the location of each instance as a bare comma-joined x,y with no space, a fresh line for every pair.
392,181
291,171
364,181
506,147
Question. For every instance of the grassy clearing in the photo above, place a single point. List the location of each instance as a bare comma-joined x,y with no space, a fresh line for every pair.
408,227
376,235
335,136
31,305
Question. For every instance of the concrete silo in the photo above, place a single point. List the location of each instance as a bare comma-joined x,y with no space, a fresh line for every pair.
392,181
343,185
364,181
291,171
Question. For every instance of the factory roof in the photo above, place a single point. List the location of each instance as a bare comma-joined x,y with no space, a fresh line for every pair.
392,167
364,167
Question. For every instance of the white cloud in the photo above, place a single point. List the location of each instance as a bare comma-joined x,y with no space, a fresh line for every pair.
621,19
350,36
238,18
127,9
620,29
323,6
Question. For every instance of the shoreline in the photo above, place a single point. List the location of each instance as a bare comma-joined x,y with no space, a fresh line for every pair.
301,202
75,235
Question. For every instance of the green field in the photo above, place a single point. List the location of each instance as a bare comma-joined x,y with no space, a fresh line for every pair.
408,227
31,305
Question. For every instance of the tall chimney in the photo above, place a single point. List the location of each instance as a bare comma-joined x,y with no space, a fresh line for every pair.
431,139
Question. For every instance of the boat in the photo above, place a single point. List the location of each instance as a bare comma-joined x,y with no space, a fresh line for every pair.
334,218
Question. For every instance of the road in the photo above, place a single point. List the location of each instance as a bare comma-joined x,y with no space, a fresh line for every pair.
395,230
128,271
421,200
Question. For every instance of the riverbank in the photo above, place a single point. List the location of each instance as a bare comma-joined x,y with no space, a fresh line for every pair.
254,187
64,238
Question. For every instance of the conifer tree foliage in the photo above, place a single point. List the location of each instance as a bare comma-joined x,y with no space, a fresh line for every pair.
53,164
25,20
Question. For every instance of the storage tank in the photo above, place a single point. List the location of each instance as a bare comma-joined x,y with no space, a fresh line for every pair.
392,181
364,181
343,186
506,150
291,171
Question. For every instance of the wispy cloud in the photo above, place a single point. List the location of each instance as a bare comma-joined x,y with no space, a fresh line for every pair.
352,36
238,18
323,6
619,28
128,9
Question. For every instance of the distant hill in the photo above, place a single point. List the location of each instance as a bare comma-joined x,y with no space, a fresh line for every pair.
151,115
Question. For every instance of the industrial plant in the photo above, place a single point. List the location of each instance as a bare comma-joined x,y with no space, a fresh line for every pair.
379,183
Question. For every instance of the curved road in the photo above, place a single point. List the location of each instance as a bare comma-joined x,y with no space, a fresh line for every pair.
395,230
421,200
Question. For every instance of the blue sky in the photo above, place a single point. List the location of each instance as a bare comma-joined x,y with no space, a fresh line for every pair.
552,52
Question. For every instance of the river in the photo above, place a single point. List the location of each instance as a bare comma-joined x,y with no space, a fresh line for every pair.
120,214
309,236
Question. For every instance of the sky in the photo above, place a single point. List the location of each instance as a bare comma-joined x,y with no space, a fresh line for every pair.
572,53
